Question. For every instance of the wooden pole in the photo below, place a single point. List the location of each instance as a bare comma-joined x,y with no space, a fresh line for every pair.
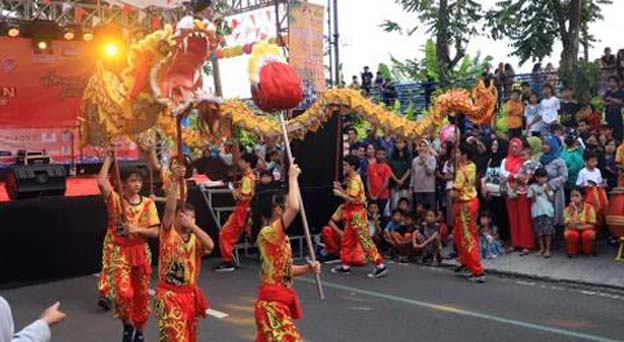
304,218
122,217
180,156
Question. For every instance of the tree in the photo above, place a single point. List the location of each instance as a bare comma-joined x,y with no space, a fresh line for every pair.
451,22
533,26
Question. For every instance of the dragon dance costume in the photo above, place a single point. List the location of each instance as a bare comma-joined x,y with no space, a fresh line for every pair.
466,209
236,223
126,260
179,300
277,305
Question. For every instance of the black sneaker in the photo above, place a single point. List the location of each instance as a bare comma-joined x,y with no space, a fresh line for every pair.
477,278
378,272
138,336
128,331
341,270
460,269
104,303
226,267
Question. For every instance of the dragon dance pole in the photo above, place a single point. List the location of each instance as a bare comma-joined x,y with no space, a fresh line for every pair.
304,218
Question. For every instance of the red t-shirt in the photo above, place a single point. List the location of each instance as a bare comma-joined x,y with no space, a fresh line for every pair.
377,175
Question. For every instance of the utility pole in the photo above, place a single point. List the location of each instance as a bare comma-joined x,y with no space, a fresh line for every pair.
336,45
330,48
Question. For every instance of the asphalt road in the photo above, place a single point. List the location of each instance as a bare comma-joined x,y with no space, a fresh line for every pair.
412,304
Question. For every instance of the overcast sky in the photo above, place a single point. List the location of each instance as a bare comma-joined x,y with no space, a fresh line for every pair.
363,42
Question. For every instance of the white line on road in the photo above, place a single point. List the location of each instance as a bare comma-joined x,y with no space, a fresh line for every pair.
216,314
474,314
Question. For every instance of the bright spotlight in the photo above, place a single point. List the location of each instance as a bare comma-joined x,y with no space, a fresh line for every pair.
42,45
13,32
69,35
87,37
111,50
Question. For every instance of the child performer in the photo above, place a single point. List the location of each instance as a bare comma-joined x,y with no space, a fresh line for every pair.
466,212
179,301
126,265
236,223
277,304
354,211
580,221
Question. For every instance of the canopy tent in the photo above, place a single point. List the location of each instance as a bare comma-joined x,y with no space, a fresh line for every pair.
142,4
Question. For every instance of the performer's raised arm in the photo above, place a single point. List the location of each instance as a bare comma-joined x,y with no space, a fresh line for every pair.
102,179
292,206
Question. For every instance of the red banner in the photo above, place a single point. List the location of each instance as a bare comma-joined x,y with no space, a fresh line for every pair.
42,90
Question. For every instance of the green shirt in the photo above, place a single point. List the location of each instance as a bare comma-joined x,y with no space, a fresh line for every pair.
574,161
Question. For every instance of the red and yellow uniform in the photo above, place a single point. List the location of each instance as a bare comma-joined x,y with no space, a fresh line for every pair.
236,223
333,241
587,237
126,260
356,226
278,305
466,209
179,301
619,161
597,197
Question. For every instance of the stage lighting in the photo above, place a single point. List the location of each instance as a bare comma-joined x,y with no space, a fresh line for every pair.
87,36
111,50
69,35
42,45
13,32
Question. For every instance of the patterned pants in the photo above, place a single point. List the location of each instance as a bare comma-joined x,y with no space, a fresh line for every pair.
125,285
356,232
597,197
231,231
274,323
466,236
177,319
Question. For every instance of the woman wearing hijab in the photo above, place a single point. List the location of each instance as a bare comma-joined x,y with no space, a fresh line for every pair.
38,331
557,175
495,200
518,205
536,148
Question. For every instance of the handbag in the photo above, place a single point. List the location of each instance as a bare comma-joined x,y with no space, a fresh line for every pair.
495,185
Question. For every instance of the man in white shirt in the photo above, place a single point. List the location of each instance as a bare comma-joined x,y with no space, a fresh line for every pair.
549,106
38,331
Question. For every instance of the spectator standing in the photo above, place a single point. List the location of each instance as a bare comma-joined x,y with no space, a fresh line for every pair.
573,157
550,75
378,180
390,94
611,171
367,80
379,82
355,84
532,116
619,61
536,78
400,163
447,175
568,108
557,171
423,176
608,66
515,115
510,76
614,101
549,107
525,87
493,185
542,211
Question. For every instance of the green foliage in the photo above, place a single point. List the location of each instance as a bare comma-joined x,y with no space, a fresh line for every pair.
384,70
533,26
584,80
598,103
501,121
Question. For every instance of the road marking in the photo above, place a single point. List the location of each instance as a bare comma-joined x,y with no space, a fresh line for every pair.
217,314
454,310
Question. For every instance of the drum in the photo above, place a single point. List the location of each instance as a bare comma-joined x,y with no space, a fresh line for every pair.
615,214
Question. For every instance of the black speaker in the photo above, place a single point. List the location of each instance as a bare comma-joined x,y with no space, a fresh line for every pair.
26,181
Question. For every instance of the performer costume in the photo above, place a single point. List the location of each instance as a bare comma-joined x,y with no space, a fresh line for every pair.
126,260
356,226
277,305
179,301
236,223
333,241
619,161
587,237
597,197
466,208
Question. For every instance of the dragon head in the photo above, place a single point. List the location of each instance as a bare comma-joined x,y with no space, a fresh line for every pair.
178,77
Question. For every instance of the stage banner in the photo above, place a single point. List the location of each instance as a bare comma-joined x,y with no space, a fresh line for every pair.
42,90
305,42
61,144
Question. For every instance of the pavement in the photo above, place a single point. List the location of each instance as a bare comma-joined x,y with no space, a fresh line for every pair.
414,303
581,271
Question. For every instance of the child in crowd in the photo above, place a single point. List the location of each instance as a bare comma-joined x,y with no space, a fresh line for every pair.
404,205
542,211
580,222
611,171
590,179
387,244
427,238
274,164
532,116
515,114
402,239
491,246
378,179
